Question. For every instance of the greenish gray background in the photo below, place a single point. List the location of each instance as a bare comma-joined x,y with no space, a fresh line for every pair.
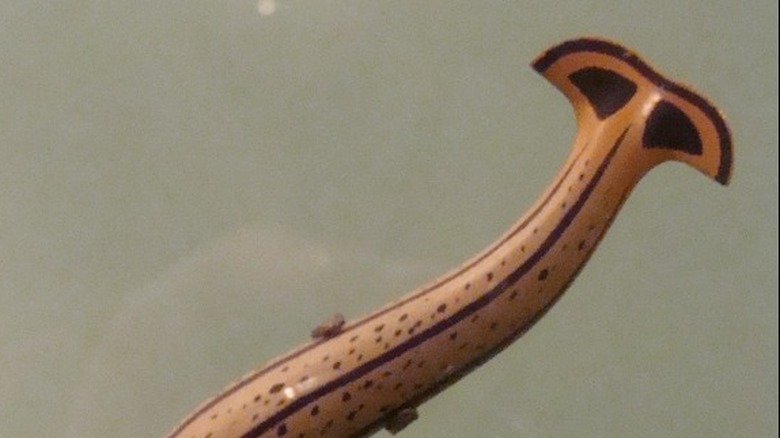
187,187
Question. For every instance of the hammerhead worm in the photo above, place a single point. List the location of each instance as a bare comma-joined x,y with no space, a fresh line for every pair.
354,378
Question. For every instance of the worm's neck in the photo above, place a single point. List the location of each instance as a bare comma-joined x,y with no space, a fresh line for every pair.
520,276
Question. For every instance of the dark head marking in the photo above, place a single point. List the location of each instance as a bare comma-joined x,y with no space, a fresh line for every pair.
669,128
606,90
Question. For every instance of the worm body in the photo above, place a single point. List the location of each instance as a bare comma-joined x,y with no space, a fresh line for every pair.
357,377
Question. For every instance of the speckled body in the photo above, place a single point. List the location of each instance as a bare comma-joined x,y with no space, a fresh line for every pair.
357,377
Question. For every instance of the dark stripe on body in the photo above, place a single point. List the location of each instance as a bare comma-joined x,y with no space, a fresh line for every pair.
503,344
457,317
347,330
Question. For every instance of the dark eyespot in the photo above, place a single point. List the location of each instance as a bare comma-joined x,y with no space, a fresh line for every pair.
606,90
669,128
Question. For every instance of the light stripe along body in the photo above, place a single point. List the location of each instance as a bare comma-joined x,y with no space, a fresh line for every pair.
357,377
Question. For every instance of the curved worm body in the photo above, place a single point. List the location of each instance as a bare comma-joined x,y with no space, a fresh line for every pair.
360,376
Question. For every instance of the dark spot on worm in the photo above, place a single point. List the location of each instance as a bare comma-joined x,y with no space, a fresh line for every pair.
367,384
403,317
543,274
285,369
315,411
410,331
582,176
354,338
346,397
563,206
387,373
282,430
581,246
503,262
398,333
668,127
325,358
493,325
420,364
214,416
606,90
536,230
255,417
475,318
351,352
442,308
398,386
360,357
522,248
489,276
468,286
336,365
276,388
257,398
513,295
351,415
378,339
407,364
387,346
453,336
379,328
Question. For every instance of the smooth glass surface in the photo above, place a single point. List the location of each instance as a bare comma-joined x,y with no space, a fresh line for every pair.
188,187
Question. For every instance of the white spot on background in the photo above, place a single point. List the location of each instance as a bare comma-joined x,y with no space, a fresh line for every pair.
266,7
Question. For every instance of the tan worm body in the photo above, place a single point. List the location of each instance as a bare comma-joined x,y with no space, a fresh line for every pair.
360,376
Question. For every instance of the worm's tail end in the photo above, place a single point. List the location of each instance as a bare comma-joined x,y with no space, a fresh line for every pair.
605,81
